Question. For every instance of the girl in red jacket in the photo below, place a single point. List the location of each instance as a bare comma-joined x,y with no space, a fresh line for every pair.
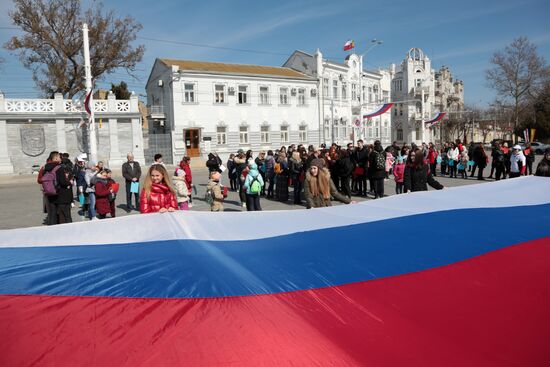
158,194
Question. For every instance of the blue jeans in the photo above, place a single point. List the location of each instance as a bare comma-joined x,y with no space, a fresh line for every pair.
91,205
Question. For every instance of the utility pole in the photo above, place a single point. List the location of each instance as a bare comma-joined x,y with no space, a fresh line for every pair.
88,74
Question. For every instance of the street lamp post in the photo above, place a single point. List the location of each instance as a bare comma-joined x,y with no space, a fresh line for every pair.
374,43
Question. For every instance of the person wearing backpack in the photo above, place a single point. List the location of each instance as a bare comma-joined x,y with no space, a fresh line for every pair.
214,192
64,197
377,169
48,181
253,184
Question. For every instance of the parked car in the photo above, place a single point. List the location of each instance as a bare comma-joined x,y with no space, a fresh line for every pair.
537,146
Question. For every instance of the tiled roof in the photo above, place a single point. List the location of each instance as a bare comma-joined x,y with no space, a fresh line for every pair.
239,69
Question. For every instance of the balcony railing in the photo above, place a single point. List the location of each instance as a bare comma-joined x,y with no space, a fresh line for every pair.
60,105
156,111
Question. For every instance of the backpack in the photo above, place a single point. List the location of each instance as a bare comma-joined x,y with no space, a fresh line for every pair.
209,197
50,186
380,161
255,186
500,157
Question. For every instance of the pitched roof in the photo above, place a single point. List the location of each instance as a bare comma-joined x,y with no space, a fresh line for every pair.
239,69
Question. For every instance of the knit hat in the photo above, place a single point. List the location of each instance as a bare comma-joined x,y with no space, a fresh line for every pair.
317,162
517,147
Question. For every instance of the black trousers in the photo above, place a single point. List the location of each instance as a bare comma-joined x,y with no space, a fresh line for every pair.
432,168
480,172
399,187
53,216
362,185
452,170
500,170
129,196
529,168
253,203
345,185
473,169
64,213
514,174
378,187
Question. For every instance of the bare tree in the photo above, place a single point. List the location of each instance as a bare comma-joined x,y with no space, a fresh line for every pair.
518,74
51,45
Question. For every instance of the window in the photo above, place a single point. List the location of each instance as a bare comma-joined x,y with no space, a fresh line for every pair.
385,96
344,90
283,96
371,99
375,92
353,91
417,132
398,85
302,133
417,83
325,87
189,92
243,94
395,111
335,89
327,129
264,132
284,133
264,95
301,97
399,134
243,134
219,93
401,109
343,129
364,93
221,134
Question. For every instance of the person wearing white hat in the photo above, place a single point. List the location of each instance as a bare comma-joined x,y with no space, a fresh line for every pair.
517,162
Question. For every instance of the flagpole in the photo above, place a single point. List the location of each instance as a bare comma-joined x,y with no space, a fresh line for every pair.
88,75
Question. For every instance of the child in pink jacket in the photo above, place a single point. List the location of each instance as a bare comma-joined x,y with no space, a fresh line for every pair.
398,175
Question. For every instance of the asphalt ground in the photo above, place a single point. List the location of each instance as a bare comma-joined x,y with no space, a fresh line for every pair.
21,197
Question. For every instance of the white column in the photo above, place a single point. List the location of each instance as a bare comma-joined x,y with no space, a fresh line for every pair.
61,137
137,140
6,167
115,158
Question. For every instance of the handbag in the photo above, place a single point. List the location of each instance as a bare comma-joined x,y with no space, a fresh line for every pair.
439,160
460,167
451,163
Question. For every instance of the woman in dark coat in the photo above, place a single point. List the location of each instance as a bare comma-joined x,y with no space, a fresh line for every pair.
418,175
480,160
377,169
543,169
213,163
64,198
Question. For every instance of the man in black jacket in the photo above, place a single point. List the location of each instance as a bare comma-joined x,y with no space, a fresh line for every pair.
131,171
377,169
361,157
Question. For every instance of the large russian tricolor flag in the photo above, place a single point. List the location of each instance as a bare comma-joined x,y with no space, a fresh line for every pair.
459,277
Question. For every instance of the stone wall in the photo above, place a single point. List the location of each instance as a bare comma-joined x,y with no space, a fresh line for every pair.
22,163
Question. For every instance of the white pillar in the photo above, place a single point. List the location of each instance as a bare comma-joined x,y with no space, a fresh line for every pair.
6,167
61,137
137,140
115,158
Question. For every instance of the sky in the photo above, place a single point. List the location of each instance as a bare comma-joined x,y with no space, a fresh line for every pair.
461,35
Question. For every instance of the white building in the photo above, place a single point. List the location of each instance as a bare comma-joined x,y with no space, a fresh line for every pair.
207,106
413,91
347,93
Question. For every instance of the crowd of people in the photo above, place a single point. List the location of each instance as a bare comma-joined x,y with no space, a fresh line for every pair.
316,175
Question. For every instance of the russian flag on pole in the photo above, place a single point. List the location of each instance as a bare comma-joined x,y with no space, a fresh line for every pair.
382,110
350,44
459,277
436,119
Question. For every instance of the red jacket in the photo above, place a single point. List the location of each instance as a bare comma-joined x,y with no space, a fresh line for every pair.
188,176
432,156
160,197
102,191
